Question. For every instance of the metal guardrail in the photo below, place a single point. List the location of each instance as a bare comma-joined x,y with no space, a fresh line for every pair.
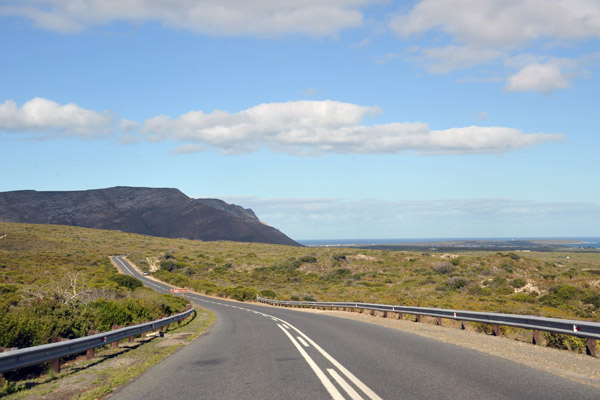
15,359
583,329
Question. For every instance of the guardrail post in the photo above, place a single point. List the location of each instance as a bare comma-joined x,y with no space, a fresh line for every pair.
496,330
438,321
400,315
537,337
373,312
385,314
115,344
90,353
417,318
55,364
590,347
463,325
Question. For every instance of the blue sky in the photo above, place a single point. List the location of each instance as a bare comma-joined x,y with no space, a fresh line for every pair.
329,118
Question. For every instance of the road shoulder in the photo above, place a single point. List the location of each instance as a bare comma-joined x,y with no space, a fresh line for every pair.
577,367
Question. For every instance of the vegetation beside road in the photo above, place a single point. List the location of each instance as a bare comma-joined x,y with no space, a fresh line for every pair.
58,282
93,379
562,284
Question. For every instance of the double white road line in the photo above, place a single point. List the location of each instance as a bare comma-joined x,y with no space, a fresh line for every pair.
351,387
303,342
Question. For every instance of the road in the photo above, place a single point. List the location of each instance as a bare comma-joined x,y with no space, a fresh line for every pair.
259,352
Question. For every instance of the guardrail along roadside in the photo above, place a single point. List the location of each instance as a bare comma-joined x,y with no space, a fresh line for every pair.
20,358
583,329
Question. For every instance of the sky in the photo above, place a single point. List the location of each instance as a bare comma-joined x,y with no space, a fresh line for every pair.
331,119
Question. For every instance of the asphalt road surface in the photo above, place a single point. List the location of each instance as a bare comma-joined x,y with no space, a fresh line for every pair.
258,352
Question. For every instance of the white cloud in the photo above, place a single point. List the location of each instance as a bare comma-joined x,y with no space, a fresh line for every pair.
45,117
502,23
213,17
317,127
476,33
538,77
323,218
298,128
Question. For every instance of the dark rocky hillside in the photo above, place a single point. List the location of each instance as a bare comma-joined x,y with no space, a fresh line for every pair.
156,212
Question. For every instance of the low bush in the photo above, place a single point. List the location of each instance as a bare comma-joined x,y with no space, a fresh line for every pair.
443,268
268,294
518,283
524,298
126,281
565,342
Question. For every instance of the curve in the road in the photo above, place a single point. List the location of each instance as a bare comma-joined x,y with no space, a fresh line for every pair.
281,355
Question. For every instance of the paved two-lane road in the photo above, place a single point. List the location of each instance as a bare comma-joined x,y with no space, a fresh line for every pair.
258,352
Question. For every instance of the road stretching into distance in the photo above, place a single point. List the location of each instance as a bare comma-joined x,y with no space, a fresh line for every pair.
259,352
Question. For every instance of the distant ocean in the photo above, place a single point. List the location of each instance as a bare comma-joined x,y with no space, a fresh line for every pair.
586,242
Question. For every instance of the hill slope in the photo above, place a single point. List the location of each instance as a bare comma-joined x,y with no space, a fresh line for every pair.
156,212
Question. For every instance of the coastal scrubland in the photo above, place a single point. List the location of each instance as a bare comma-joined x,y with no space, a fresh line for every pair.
40,263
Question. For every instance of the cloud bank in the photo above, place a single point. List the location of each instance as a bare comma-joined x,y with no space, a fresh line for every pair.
212,17
300,128
318,127
326,218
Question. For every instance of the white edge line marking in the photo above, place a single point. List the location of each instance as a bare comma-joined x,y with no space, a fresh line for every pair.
335,394
302,341
366,390
347,388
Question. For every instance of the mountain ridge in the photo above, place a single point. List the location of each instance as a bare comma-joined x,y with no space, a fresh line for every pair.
163,212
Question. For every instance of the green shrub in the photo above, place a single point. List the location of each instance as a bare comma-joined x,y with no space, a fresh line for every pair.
591,297
241,293
443,268
338,274
480,291
268,294
168,264
524,298
126,281
309,259
518,282
565,342
565,292
286,266
456,282
20,328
